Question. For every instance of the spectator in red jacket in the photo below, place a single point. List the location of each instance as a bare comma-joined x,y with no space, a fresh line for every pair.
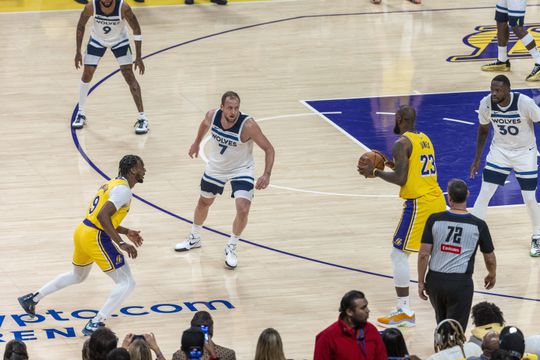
351,337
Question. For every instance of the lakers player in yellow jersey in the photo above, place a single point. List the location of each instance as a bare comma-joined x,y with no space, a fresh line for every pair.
415,172
97,239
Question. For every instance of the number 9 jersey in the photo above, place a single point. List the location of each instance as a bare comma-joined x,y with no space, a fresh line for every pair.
512,125
109,30
101,198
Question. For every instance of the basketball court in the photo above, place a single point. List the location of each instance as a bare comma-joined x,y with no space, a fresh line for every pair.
324,78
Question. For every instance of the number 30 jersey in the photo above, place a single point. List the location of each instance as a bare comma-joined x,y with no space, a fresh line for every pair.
422,174
122,202
512,125
109,30
227,152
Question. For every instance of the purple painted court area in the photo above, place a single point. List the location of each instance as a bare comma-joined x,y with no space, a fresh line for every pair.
454,141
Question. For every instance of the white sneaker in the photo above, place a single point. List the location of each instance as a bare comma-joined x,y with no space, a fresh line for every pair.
141,126
535,246
79,121
191,242
230,256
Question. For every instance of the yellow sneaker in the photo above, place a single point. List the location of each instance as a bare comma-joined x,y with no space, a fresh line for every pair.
397,318
535,73
497,66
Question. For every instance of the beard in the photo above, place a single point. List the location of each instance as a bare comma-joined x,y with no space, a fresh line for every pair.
396,129
107,6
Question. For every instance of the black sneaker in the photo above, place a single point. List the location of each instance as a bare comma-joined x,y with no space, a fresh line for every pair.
189,2
84,2
79,121
28,304
219,2
535,73
91,327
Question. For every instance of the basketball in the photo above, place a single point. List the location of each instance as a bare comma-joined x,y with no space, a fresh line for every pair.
374,157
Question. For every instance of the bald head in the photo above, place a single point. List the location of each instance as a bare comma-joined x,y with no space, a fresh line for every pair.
490,342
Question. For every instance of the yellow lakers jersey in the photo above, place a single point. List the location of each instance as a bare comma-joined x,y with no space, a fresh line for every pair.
101,198
422,176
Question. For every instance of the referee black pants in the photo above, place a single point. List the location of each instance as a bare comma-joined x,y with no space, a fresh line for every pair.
450,295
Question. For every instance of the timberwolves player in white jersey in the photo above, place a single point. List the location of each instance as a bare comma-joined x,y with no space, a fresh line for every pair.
110,31
513,148
230,158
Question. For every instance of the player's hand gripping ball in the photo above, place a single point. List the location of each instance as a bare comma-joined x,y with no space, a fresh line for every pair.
370,161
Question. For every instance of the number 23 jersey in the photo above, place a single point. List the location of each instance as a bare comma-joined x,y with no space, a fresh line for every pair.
513,124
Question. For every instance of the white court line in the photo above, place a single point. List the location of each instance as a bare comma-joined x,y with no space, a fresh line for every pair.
203,157
459,121
385,113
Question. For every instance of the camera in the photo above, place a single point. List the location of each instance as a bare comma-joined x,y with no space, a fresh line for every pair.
204,329
138,337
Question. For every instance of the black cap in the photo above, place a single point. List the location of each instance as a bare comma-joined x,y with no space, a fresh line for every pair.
512,340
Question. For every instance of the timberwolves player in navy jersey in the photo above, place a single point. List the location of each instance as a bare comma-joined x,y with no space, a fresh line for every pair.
230,158
110,31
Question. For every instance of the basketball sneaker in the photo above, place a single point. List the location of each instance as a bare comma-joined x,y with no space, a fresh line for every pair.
189,2
79,121
497,66
535,73
398,318
141,126
230,256
191,242
28,304
219,2
91,327
535,246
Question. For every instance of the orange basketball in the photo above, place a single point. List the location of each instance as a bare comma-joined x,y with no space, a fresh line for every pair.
374,157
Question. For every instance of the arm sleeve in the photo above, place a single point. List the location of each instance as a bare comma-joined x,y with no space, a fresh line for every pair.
531,109
427,237
483,111
120,196
485,242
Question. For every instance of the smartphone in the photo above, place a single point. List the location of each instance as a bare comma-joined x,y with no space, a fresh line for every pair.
138,337
204,329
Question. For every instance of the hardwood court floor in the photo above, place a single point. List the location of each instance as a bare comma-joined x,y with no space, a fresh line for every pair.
365,50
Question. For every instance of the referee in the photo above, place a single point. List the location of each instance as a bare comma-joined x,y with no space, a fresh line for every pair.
449,244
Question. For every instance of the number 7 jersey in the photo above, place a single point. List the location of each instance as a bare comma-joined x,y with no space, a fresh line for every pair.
422,174
512,125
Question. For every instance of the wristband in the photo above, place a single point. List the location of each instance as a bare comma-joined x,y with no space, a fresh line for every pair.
137,37
374,172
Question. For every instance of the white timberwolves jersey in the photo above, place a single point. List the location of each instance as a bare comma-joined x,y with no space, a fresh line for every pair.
109,30
227,152
513,125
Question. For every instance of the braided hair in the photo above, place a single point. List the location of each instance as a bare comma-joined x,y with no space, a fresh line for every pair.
127,163
449,333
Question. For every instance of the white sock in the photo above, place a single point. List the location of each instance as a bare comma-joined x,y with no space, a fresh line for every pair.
76,276
196,230
404,303
233,240
502,54
124,285
535,54
529,197
482,201
142,116
83,94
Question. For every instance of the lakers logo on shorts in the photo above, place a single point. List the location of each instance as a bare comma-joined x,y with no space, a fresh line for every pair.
484,44
119,260
398,242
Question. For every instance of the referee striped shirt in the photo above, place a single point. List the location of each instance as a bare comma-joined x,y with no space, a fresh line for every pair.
455,239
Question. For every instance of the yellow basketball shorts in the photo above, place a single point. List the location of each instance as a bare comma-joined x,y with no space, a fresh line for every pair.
408,235
93,245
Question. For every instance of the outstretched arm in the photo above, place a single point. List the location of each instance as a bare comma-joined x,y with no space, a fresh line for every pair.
253,131
131,19
203,129
87,12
